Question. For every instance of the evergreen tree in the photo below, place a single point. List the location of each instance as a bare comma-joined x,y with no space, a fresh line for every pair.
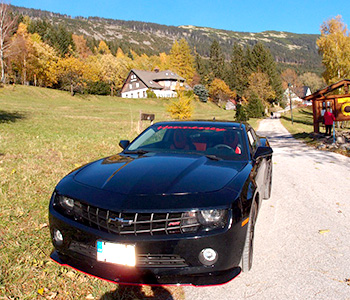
241,113
260,59
255,107
237,74
216,61
201,92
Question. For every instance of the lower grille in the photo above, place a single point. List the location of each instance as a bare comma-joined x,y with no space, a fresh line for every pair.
142,260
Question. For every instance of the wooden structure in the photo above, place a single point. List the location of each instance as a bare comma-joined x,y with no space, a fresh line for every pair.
326,98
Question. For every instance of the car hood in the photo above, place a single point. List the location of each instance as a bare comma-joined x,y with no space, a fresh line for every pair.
158,174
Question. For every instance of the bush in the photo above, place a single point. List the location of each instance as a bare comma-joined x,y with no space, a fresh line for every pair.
151,94
241,113
255,107
201,92
181,108
98,88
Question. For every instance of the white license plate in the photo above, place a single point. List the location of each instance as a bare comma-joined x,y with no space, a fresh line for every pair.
121,254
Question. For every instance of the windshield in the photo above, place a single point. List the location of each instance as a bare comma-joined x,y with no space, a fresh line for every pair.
213,141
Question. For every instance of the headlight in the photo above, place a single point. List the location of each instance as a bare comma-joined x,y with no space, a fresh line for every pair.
66,203
211,216
204,219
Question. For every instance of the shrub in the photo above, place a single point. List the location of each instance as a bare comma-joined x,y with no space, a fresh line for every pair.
181,108
201,92
151,94
98,88
241,113
255,107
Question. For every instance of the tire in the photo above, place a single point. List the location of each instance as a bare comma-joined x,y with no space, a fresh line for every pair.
268,183
247,254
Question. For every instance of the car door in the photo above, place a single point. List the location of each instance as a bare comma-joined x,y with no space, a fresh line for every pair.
259,164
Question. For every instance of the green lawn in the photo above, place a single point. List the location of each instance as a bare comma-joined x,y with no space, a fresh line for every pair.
303,125
43,135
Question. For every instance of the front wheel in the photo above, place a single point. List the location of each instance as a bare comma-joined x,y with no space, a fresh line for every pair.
247,254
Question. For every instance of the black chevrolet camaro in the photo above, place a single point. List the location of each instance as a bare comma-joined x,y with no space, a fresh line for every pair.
177,206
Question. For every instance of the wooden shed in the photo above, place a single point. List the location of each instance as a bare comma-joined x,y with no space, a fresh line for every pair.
339,104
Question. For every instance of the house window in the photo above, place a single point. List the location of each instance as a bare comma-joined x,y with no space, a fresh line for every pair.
137,84
144,94
130,86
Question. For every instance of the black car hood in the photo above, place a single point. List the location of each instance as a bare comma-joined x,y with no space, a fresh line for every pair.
158,174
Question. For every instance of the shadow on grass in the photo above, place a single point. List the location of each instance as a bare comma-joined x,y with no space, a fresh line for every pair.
7,117
127,292
306,122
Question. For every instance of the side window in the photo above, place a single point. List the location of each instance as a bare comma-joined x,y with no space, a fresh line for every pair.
253,140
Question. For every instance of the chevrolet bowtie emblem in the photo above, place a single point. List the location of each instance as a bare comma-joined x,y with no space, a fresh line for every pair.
119,221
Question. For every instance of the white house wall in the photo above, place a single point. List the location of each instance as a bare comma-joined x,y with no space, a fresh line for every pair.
141,93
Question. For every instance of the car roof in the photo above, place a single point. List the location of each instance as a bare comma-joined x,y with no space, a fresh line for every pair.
221,123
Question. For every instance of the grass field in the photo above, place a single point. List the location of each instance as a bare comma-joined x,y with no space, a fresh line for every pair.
43,135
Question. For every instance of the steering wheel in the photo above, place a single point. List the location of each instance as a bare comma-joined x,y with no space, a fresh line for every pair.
218,146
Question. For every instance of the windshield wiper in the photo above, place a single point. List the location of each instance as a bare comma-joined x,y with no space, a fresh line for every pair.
139,151
213,157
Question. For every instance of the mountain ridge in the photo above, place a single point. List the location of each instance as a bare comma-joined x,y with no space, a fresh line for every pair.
294,50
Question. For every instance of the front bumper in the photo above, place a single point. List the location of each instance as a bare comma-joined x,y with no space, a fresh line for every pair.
79,252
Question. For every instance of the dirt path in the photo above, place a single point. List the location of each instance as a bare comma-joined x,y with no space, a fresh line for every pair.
302,238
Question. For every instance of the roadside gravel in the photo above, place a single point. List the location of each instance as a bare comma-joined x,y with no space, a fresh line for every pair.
302,237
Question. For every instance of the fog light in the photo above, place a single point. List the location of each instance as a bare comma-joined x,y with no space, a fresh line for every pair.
57,237
208,256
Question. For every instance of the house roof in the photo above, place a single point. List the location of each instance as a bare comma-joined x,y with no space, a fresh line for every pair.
150,78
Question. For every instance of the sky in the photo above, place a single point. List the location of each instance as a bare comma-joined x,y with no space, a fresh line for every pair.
297,16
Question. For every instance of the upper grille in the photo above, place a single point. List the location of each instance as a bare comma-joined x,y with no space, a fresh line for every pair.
135,223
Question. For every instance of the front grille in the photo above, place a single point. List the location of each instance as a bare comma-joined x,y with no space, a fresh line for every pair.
142,260
135,223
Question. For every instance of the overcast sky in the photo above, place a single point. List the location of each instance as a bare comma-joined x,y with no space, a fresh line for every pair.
298,16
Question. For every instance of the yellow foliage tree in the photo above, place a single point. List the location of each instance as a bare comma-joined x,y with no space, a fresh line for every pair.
80,45
219,91
70,73
181,60
334,44
258,84
181,108
103,48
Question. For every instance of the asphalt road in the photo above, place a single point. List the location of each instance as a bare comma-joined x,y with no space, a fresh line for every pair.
302,237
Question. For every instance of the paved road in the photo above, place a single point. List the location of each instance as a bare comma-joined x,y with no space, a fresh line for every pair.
293,259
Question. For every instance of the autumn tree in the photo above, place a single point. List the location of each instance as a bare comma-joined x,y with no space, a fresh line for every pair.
181,108
70,73
220,92
103,48
312,80
80,46
22,54
181,60
259,59
44,62
258,84
334,44
7,26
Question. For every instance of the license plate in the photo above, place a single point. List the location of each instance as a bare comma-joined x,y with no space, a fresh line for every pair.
120,254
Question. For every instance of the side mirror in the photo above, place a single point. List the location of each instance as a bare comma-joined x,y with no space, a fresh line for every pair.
124,143
262,152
